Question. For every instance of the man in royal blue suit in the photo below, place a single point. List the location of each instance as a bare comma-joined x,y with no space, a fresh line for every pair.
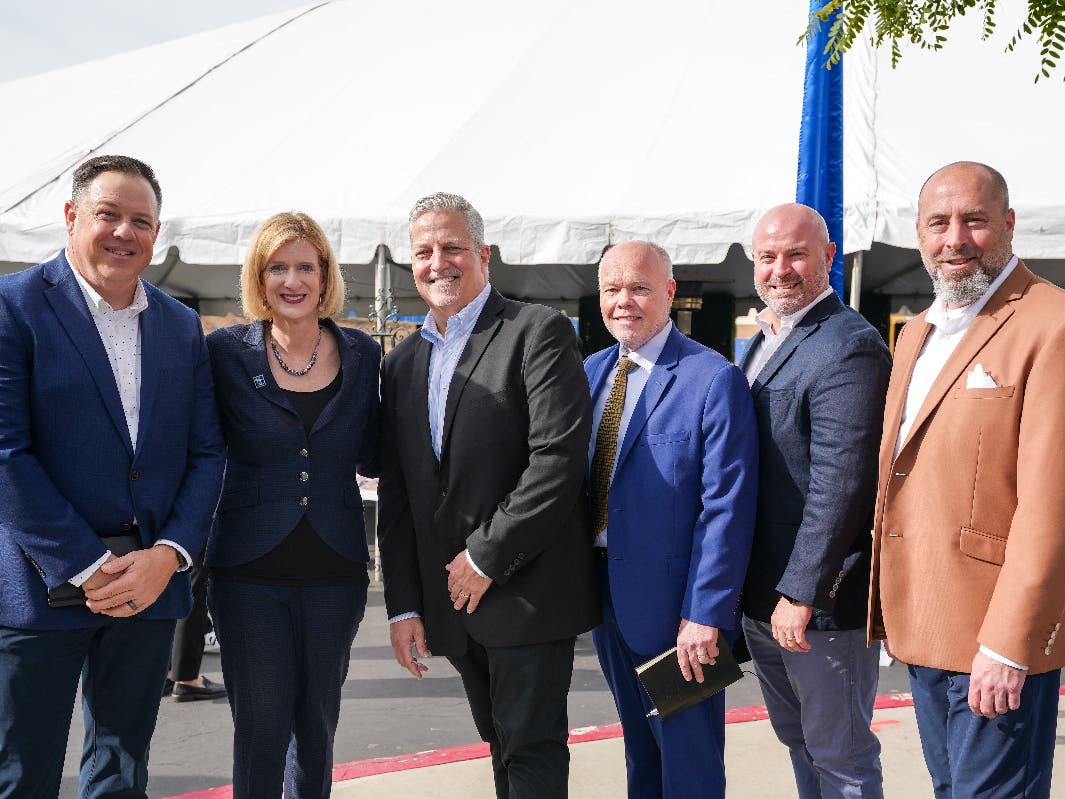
108,429
673,477
818,375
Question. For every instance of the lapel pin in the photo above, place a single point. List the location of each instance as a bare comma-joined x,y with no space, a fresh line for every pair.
259,381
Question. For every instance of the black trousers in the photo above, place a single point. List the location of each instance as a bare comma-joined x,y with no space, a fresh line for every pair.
518,698
187,653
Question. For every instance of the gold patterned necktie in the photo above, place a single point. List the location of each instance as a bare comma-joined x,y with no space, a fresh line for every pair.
606,444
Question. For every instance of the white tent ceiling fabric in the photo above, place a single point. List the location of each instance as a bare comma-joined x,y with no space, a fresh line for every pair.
570,125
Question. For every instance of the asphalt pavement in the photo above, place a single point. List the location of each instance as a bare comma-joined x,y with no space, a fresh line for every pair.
385,713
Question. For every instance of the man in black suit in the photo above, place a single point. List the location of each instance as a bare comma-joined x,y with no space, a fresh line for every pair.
484,532
818,373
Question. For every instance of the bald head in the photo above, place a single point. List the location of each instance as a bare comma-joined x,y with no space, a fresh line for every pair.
972,171
964,230
792,216
792,257
629,251
636,289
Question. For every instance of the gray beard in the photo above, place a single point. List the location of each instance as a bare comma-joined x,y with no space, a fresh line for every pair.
956,293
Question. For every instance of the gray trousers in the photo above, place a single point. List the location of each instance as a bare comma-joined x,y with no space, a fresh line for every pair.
820,704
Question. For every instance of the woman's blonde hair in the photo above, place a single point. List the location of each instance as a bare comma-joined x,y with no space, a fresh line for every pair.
273,234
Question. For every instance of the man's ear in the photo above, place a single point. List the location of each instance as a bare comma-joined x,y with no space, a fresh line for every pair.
69,212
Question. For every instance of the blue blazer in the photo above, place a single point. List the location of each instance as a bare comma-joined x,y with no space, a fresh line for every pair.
68,470
268,452
819,401
681,505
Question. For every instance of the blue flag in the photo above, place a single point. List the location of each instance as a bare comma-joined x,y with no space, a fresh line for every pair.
820,178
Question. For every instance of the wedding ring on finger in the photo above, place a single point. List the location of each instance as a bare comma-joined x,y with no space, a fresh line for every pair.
132,605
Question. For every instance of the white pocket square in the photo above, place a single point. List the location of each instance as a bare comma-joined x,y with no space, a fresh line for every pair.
978,378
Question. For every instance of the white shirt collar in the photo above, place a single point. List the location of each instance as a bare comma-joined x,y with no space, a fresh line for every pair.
647,356
764,318
949,320
98,304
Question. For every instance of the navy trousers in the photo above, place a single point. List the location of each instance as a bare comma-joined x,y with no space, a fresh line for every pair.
681,757
122,665
517,695
285,655
971,757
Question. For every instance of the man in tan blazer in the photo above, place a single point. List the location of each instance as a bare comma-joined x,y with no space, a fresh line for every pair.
969,535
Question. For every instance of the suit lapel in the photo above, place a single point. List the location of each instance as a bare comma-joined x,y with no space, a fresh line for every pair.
905,358
257,368
748,353
659,381
68,303
349,365
484,331
597,379
984,326
417,393
808,325
151,328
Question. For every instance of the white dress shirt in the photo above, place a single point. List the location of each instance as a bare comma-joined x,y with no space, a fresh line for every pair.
645,358
771,341
949,326
120,333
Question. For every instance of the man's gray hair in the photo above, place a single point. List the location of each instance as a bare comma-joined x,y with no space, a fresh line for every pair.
443,201
663,256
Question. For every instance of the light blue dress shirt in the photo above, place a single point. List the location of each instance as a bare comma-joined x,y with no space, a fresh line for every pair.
444,357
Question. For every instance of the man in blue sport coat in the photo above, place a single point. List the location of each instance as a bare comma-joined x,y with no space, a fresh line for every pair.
673,525
108,429
818,374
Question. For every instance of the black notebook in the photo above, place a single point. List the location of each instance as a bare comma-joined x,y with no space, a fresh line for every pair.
670,694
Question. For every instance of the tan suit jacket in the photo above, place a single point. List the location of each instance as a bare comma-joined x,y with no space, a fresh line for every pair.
969,536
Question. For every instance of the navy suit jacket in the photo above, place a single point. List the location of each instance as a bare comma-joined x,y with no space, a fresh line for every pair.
820,406
681,505
268,453
68,470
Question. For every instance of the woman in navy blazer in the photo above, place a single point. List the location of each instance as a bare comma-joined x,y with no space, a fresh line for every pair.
298,400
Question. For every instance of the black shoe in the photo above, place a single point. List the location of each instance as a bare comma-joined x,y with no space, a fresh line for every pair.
192,693
168,687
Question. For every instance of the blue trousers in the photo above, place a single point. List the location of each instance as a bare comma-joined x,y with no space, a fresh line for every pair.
971,757
285,655
820,704
681,757
122,665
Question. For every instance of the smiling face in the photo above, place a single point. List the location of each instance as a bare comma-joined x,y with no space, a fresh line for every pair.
964,231
635,293
450,269
111,234
292,281
792,258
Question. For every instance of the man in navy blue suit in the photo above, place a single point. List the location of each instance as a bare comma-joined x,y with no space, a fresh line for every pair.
673,477
818,374
108,429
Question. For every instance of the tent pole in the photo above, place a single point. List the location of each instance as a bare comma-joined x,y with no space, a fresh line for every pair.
856,280
381,291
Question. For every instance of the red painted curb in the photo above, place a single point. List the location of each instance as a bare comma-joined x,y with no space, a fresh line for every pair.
457,754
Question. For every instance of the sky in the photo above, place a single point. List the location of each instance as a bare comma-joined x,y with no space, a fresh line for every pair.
41,35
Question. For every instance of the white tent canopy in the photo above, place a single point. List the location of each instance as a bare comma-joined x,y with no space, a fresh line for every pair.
570,125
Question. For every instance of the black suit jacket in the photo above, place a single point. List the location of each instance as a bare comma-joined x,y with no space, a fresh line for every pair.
820,404
509,485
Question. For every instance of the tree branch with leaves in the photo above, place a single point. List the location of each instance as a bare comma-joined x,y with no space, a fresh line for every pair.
925,25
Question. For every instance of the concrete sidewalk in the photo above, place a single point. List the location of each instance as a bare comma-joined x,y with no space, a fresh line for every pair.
758,767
